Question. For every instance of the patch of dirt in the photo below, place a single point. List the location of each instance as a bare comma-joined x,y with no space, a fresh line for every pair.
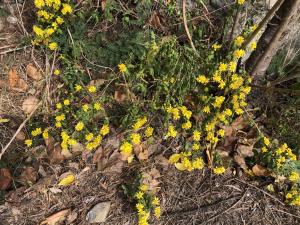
186,198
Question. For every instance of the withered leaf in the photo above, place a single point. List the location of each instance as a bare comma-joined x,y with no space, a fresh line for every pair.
33,72
15,82
259,170
5,178
30,104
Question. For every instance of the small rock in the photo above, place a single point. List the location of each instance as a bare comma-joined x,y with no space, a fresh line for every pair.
12,19
98,213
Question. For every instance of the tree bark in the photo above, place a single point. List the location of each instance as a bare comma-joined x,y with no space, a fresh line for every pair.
268,44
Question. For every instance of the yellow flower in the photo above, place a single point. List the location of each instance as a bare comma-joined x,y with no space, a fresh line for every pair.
253,28
239,41
155,201
228,112
122,67
39,3
139,195
143,187
266,141
139,123
294,177
206,109
104,130
239,53
135,138
61,117
198,164
52,46
79,126
221,132
185,112
38,31
59,20
289,196
218,101
28,142
92,89
171,131
219,170
78,87
253,46
240,2
45,134
176,113
264,149
58,105
85,107
149,131
126,148
196,147
58,124
66,9
187,125
139,207
216,47
36,132
67,102
157,212
223,67
174,158
56,72
202,79
232,66
196,135
97,106
89,136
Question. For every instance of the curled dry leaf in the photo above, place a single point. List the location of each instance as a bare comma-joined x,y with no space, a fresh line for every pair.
141,151
54,154
5,178
110,163
15,82
56,218
33,72
66,179
28,176
30,104
119,96
239,123
259,170
163,161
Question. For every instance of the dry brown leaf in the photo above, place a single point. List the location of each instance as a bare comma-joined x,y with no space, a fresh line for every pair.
155,21
98,213
30,104
21,136
77,148
112,163
28,176
238,124
33,72
103,5
141,151
119,96
55,155
15,82
163,161
240,161
259,170
245,150
66,153
56,218
5,178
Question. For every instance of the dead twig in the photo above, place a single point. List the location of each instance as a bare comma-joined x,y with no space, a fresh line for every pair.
261,190
186,26
19,129
227,210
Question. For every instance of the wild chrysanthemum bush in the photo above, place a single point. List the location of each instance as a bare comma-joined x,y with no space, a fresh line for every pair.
79,119
51,16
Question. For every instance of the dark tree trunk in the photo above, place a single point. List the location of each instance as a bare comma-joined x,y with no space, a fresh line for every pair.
268,44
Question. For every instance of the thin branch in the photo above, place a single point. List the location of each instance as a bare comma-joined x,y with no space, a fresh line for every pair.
186,26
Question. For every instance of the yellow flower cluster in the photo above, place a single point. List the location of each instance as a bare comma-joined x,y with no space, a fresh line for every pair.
293,197
183,162
50,15
280,155
219,170
135,138
142,197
